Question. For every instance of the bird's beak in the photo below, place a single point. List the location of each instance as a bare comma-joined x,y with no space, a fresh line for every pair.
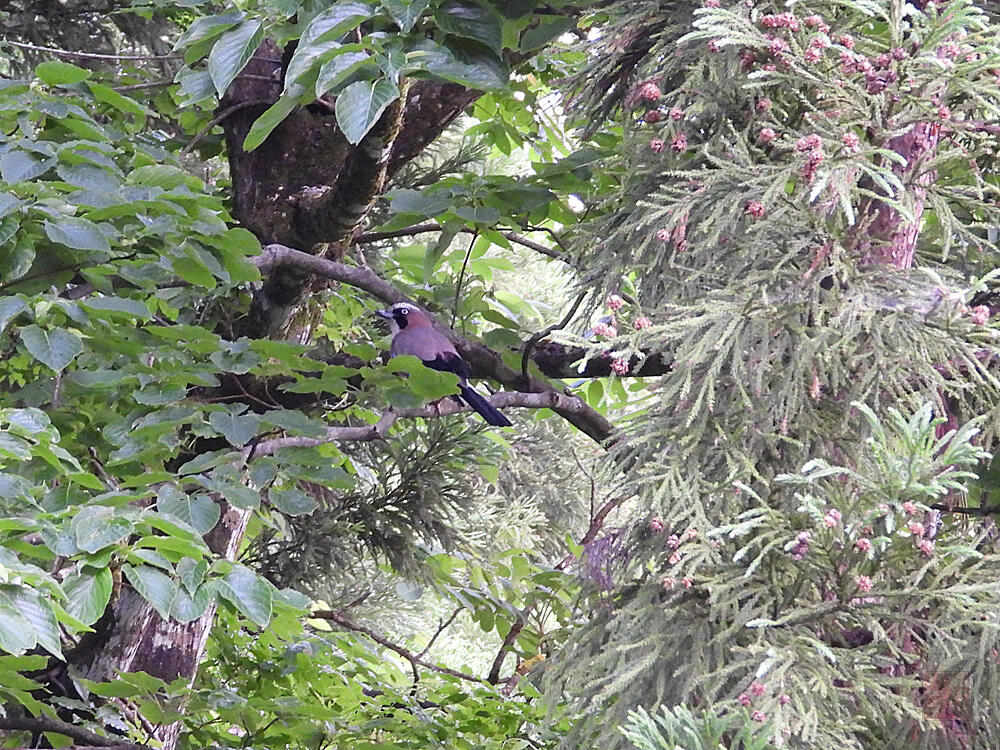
387,314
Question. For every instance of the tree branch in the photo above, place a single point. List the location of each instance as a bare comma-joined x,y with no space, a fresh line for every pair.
518,239
480,357
367,433
596,524
88,55
47,724
415,661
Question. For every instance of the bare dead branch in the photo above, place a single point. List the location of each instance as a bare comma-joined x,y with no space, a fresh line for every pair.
415,661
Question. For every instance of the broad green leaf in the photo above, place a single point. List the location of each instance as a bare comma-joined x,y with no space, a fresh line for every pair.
207,27
117,307
15,261
338,69
55,348
249,593
238,430
194,271
16,633
405,12
187,607
9,203
18,166
153,585
232,52
335,22
122,103
547,29
361,104
191,572
199,511
467,64
292,502
56,73
88,593
273,116
38,611
77,233
10,308
97,526
471,20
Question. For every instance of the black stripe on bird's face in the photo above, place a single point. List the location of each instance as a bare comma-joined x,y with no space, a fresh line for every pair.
401,316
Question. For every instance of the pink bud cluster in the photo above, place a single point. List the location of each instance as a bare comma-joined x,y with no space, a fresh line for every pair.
864,583
754,208
614,302
656,145
605,330
711,3
641,322
655,525
851,141
863,545
780,21
620,366
648,91
980,314
676,114
812,146
766,135
832,518
801,548
679,143
816,22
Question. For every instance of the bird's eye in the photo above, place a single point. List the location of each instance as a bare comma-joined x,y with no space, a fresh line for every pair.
404,311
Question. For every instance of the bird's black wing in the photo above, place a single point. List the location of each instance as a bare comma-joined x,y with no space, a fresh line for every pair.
450,362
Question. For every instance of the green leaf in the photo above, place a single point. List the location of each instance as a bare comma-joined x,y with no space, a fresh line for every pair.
405,12
88,593
232,52
194,272
9,203
472,21
338,69
111,97
153,585
273,116
55,348
361,104
18,166
187,607
56,73
292,502
10,308
117,307
335,22
547,29
466,64
249,593
199,511
15,261
207,27
16,633
38,612
191,572
98,526
238,430
77,233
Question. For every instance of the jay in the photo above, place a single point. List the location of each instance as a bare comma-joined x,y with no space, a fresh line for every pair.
413,334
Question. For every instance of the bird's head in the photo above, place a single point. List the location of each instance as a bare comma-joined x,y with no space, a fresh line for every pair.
403,314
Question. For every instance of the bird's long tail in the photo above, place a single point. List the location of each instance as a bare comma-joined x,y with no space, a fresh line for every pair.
484,408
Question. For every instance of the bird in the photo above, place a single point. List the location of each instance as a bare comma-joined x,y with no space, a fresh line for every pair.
413,334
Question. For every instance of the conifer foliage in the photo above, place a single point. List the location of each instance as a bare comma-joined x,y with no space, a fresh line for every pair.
807,213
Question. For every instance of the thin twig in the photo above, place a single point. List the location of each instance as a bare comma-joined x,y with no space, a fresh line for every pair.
89,55
441,628
219,118
461,278
535,338
517,239
141,86
327,614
